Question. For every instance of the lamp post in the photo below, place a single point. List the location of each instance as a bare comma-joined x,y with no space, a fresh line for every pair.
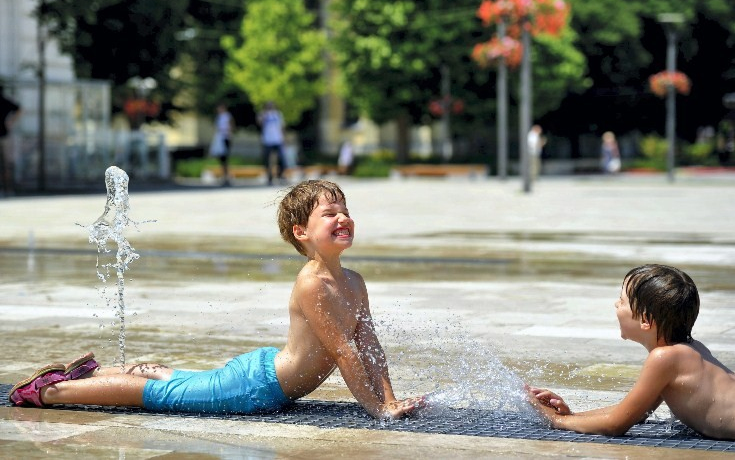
41,37
526,107
502,90
671,22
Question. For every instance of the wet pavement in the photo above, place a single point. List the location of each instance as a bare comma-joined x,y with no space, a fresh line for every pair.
457,270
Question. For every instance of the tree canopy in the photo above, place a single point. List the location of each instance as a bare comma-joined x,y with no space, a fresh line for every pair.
390,54
281,57
622,54
174,43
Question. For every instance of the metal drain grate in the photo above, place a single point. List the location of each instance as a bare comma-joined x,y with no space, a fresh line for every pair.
327,414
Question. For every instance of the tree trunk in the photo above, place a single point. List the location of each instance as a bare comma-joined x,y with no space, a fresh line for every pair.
403,137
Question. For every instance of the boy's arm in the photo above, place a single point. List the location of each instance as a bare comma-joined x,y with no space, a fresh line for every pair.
372,356
658,370
321,313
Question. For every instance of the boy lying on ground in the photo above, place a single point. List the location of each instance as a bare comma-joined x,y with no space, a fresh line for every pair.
657,308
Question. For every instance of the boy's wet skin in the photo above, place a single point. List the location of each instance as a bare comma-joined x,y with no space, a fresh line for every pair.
657,308
330,326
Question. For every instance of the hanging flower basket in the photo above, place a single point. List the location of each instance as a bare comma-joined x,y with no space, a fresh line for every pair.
438,106
494,11
489,53
139,110
550,17
543,16
662,81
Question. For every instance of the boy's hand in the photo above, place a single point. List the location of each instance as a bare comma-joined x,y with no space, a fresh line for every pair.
396,409
549,399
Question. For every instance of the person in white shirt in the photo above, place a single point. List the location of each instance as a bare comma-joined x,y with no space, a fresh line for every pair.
220,148
272,137
535,145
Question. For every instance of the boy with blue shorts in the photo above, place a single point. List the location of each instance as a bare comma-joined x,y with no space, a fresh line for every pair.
330,327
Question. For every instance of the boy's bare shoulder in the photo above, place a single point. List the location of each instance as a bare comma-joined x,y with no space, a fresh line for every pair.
664,360
309,283
352,274
676,360
670,354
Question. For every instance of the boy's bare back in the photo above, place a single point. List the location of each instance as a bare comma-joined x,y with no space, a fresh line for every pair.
336,304
329,312
657,308
702,391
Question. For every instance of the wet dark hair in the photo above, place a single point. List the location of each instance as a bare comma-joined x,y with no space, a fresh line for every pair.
298,203
665,296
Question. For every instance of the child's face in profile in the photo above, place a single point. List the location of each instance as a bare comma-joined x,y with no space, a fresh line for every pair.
629,326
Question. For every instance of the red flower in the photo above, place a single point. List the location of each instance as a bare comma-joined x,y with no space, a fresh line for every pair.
544,16
490,52
138,110
551,16
662,81
493,11
438,106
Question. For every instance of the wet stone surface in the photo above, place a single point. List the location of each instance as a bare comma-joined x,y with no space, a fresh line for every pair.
467,422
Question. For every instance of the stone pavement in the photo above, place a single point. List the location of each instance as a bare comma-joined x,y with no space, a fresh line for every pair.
533,276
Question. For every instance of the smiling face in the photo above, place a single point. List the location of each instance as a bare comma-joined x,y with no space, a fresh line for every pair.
330,227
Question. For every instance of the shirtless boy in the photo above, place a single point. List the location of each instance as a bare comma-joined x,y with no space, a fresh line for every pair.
657,308
330,327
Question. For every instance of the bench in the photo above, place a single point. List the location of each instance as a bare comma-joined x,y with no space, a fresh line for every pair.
420,170
236,172
255,172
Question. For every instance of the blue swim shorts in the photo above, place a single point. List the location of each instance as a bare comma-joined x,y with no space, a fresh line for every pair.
246,385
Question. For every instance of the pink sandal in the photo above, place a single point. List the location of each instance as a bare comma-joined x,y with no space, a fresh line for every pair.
80,366
29,390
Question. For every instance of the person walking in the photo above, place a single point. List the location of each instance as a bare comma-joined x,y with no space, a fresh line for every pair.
9,113
272,137
535,146
220,148
610,153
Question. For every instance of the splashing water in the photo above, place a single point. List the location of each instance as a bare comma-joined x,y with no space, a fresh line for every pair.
109,227
468,375
477,379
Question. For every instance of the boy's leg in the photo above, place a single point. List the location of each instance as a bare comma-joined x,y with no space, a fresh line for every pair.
145,370
110,390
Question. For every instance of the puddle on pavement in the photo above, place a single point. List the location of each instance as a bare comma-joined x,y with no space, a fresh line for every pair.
77,267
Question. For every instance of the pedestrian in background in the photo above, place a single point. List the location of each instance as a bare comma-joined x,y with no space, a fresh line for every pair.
610,153
346,158
535,146
272,137
9,113
222,139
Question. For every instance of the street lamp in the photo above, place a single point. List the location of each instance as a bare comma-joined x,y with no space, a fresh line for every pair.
526,106
502,109
670,22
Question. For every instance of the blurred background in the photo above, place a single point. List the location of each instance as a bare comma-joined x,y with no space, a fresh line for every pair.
404,84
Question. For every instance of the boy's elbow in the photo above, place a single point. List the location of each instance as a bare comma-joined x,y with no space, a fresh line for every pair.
602,427
613,431
344,351
614,428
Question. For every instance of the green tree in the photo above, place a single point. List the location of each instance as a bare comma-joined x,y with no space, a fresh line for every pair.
174,43
391,54
624,43
281,57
